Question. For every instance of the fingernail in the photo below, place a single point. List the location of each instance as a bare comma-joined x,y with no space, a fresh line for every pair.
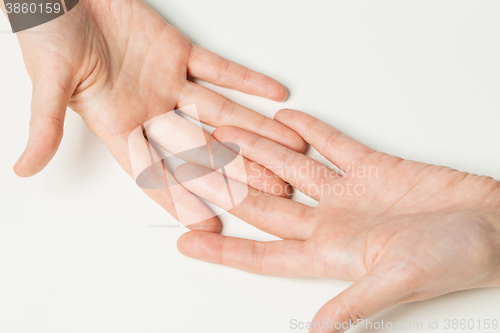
287,94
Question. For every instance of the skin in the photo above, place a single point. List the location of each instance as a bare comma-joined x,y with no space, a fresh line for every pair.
415,232
118,64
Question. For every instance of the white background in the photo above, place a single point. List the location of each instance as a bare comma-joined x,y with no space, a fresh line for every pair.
419,79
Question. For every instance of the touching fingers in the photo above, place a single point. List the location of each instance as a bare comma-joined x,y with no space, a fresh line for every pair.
177,136
216,110
305,174
338,148
288,258
278,216
210,67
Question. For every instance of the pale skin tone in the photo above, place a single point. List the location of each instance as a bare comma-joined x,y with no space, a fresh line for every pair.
417,231
118,64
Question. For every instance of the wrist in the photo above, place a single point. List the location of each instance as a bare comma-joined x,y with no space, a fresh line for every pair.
492,217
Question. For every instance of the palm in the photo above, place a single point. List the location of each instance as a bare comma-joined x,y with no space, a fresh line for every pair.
137,75
404,230
404,211
140,72
119,64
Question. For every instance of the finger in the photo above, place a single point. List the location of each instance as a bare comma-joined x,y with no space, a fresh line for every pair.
139,159
288,258
278,216
380,289
340,149
216,110
305,174
179,137
48,109
212,68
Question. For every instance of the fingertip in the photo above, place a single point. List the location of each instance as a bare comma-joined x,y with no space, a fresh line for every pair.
181,172
184,243
24,169
21,171
299,145
280,94
211,225
193,244
225,134
284,115
279,189
40,149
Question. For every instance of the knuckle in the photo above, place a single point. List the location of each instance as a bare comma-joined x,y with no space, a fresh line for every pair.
331,139
258,253
351,310
223,70
226,110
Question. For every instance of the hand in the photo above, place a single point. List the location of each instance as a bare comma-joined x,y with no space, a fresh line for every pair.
117,63
404,230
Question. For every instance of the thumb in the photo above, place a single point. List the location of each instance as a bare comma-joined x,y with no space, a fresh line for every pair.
380,289
48,108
